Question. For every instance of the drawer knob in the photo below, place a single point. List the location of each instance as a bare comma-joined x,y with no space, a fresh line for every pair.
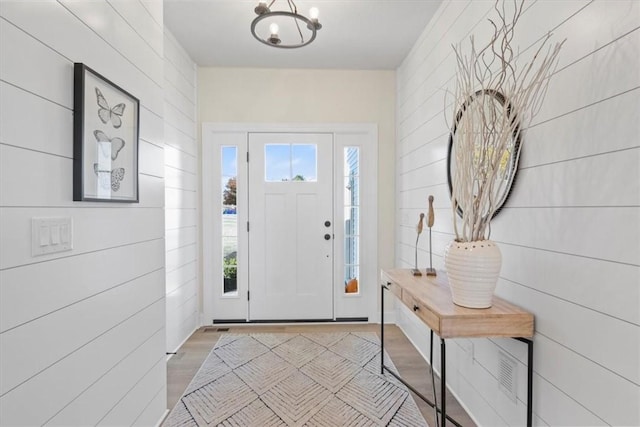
415,307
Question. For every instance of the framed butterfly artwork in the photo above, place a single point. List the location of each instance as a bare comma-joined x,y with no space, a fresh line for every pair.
106,122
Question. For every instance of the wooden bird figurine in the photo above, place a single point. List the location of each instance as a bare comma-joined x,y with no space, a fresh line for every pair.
430,219
431,216
416,270
419,226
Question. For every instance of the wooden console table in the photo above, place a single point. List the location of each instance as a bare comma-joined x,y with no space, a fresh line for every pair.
430,299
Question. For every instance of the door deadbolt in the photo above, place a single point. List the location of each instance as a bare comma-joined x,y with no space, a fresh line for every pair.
327,236
327,223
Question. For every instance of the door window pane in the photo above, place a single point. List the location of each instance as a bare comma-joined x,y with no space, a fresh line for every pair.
229,225
304,162
277,162
290,162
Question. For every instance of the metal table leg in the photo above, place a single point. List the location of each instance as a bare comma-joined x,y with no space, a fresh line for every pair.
431,349
529,379
382,288
530,384
443,381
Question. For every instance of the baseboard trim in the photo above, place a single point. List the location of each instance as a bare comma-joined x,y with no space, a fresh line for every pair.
162,418
284,321
352,319
227,321
170,354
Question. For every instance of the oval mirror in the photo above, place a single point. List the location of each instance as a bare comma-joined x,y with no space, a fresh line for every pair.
494,102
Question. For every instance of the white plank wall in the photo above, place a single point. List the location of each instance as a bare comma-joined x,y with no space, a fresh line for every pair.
570,231
181,192
82,333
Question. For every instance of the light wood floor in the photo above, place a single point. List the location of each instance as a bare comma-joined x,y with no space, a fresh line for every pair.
183,366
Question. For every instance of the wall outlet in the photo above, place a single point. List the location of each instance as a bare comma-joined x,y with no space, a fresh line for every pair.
51,235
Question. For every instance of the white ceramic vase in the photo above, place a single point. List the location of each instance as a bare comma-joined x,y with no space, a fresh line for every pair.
473,269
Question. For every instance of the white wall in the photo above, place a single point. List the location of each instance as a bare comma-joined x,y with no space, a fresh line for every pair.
248,95
570,231
181,195
82,333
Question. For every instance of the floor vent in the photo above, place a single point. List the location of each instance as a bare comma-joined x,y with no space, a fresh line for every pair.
507,375
209,329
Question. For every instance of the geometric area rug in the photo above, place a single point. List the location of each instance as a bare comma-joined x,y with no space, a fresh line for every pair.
291,379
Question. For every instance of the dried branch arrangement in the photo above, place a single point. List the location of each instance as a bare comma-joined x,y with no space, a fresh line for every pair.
494,99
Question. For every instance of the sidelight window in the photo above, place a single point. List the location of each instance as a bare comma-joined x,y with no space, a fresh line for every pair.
351,220
229,168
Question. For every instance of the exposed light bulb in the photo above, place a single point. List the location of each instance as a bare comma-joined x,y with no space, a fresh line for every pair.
274,28
314,12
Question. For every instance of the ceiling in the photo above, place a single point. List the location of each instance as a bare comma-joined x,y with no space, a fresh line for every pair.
355,34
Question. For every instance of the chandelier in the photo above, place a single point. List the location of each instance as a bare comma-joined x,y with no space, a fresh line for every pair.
292,19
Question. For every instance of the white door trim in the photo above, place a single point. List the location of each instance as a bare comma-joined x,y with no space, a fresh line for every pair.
214,135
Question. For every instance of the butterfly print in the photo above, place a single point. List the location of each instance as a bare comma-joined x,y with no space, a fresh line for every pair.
108,178
109,146
105,113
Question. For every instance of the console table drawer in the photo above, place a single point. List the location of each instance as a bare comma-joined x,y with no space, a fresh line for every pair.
420,310
395,289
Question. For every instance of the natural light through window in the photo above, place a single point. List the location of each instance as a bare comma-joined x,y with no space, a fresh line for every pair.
291,162
351,170
229,224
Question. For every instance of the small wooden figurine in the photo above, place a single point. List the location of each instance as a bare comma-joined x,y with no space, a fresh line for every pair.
430,219
416,270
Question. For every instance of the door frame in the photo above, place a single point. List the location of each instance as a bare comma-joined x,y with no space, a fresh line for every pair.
346,306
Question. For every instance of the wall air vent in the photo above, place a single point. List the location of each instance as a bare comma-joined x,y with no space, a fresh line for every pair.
508,375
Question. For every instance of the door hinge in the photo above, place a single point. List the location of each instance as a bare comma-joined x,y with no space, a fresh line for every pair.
247,226
247,295
247,157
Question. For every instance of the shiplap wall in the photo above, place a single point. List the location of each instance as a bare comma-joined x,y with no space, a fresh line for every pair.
82,333
181,170
570,231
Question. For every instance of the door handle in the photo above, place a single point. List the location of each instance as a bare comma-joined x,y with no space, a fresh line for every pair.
327,236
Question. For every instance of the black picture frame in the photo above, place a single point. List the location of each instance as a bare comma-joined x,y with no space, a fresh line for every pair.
515,147
106,123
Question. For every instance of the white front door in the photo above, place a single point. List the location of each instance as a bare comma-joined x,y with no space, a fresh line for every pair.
290,226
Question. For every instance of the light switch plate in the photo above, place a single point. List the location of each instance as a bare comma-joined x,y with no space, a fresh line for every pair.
50,235
43,234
